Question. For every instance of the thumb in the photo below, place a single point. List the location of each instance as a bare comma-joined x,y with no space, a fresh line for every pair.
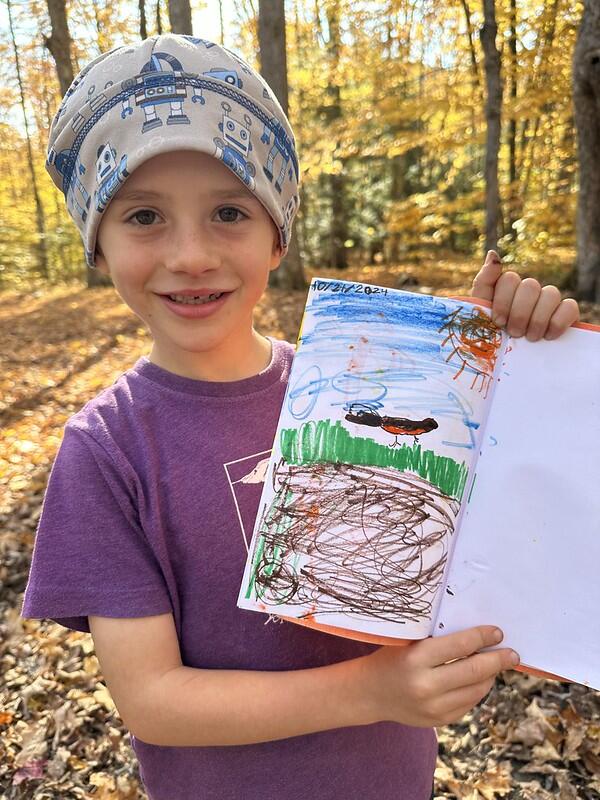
487,277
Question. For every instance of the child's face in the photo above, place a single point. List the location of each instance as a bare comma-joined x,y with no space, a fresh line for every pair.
183,226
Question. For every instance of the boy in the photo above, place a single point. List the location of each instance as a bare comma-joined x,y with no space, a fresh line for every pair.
179,168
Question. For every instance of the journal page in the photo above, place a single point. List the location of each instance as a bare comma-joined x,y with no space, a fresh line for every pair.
528,550
371,461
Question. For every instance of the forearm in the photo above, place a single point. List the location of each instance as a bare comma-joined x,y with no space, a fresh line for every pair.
432,682
194,707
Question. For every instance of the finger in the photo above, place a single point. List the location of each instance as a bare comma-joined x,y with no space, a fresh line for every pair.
504,293
524,301
548,302
487,277
442,649
565,315
453,706
475,669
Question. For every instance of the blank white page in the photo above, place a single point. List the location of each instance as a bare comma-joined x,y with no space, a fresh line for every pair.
527,556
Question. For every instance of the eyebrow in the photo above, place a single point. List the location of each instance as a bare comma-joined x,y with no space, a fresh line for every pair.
235,193
139,195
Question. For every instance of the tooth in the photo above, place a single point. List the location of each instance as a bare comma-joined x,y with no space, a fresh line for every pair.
195,299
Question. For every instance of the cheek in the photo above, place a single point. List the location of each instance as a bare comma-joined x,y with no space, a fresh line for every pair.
259,286
129,281
126,294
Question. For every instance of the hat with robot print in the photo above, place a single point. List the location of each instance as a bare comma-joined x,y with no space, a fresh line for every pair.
170,92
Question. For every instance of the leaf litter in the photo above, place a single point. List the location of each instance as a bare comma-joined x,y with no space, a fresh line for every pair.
60,735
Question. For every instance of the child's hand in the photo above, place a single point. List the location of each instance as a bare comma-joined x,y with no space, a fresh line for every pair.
435,681
523,307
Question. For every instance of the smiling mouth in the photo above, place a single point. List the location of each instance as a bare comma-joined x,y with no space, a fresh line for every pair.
194,300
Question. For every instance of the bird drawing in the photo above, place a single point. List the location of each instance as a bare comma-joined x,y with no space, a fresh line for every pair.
362,414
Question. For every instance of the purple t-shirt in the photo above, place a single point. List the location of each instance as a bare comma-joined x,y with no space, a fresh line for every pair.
149,509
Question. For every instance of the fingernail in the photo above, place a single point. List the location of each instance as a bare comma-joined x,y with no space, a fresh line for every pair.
500,321
514,658
498,635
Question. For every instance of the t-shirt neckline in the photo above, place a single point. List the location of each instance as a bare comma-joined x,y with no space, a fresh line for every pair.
169,380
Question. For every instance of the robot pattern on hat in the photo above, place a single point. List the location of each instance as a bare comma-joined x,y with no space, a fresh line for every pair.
111,121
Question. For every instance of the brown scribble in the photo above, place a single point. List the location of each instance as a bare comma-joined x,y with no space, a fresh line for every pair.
358,540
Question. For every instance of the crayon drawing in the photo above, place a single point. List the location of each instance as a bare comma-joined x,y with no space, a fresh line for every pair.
371,460
475,341
353,539
398,426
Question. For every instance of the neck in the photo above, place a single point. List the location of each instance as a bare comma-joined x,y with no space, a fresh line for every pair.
244,361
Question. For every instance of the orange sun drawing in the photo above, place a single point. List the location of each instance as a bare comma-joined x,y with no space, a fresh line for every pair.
475,341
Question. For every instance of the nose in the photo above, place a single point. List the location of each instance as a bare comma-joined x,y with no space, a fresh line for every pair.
193,250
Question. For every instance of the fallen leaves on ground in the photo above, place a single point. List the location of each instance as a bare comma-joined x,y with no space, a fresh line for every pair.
60,736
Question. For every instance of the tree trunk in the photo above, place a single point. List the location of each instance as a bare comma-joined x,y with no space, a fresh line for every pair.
221,23
339,222
474,67
59,43
271,45
100,26
39,211
402,185
513,211
586,95
493,116
406,169
159,28
180,16
273,68
302,46
143,28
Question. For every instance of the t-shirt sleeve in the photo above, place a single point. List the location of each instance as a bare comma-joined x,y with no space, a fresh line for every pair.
91,555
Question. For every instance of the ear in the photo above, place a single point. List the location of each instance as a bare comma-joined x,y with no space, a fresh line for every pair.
276,255
101,264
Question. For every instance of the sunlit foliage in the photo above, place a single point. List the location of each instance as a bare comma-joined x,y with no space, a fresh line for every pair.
410,137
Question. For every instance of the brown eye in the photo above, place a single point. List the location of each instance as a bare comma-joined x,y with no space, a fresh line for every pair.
230,214
144,216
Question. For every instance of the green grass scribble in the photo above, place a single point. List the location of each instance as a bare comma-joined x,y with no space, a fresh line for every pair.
255,562
265,560
328,442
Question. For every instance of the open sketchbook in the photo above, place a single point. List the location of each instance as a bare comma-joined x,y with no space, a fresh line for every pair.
430,473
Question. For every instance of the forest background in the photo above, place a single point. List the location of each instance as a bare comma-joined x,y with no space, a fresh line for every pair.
388,101
392,109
